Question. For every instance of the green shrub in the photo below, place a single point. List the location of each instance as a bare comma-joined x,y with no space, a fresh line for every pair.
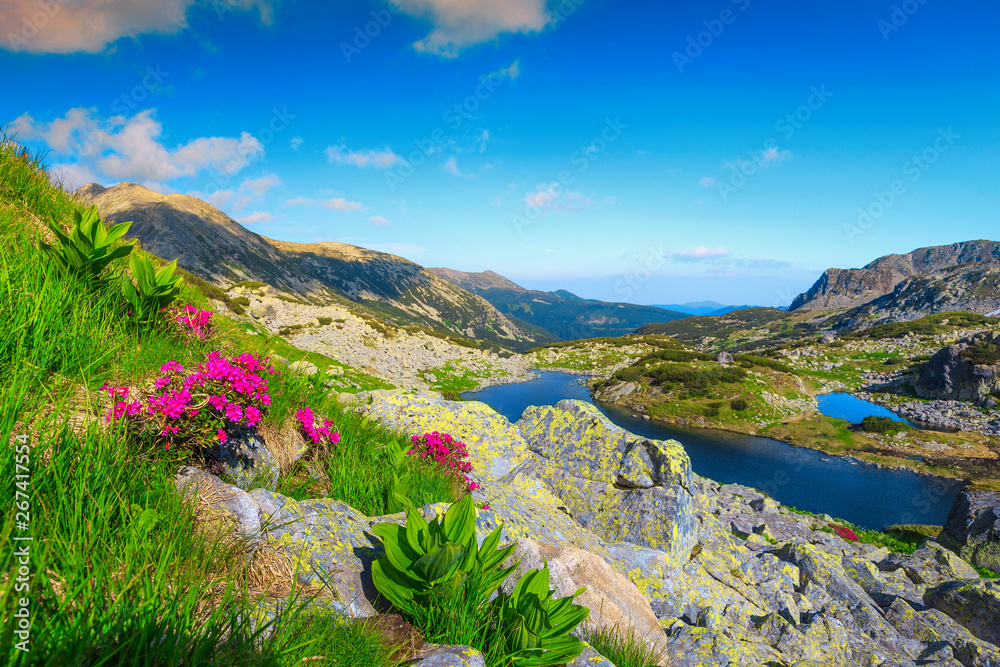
981,353
711,412
873,424
325,321
739,404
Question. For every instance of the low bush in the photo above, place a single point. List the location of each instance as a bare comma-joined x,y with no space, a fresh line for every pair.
873,424
981,353
739,404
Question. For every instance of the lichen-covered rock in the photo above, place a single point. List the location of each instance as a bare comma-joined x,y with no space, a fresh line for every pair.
329,543
929,565
584,443
435,655
242,506
495,446
974,603
586,461
590,658
973,528
934,627
614,601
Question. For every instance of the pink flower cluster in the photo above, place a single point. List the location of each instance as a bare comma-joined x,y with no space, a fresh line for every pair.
195,321
316,433
185,405
844,533
445,451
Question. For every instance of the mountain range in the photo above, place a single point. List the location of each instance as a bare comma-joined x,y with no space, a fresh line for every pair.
561,312
703,308
218,249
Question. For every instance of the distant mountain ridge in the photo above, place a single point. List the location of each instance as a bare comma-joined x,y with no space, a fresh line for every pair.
561,312
851,288
703,308
215,247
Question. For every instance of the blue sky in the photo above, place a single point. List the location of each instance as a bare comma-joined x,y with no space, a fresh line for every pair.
638,151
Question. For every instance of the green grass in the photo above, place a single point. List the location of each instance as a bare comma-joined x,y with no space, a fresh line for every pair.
621,647
121,569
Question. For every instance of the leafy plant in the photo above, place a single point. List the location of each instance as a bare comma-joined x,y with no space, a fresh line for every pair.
428,557
90,246
154,290
534,627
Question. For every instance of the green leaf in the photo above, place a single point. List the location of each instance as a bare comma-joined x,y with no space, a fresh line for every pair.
441,564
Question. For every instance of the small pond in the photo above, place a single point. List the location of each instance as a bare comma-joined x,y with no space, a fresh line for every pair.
853,409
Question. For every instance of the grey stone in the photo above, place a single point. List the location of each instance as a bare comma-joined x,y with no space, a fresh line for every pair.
973,528
974,603
245,459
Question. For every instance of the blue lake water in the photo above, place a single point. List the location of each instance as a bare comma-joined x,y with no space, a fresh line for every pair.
846,406
858,492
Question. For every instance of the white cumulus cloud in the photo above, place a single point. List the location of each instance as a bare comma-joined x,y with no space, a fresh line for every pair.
129,149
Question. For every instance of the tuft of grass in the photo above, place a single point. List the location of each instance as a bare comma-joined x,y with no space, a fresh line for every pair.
622,647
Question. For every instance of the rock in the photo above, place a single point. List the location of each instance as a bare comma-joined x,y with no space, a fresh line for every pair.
329,543
951,377
334,370
495,446
245,459
765,505
616,392
614,601
260,312
435,655
974,603
620,486
828,338
724,358
305,367
973,528
241,506
934,627
929,565
590,658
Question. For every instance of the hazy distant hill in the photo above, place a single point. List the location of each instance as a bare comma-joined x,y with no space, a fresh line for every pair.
217,248
850,288
562,313
703,308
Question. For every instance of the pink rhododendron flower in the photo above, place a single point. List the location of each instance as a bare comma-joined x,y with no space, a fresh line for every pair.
445,451
316,433
221,435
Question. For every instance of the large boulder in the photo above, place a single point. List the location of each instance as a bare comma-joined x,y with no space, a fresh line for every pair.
950,376
973,528
616,484
615,603
934,627
495,446
974,603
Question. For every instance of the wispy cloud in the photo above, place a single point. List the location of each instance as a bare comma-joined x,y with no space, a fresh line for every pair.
259,186
459,24
340,204
298,201
451,166
379,221
256,218
707,182
701,253
553,198
379,159
296,142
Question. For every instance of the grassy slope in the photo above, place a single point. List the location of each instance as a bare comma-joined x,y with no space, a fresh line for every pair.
123,570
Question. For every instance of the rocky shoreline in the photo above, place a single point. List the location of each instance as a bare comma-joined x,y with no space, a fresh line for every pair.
941,414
